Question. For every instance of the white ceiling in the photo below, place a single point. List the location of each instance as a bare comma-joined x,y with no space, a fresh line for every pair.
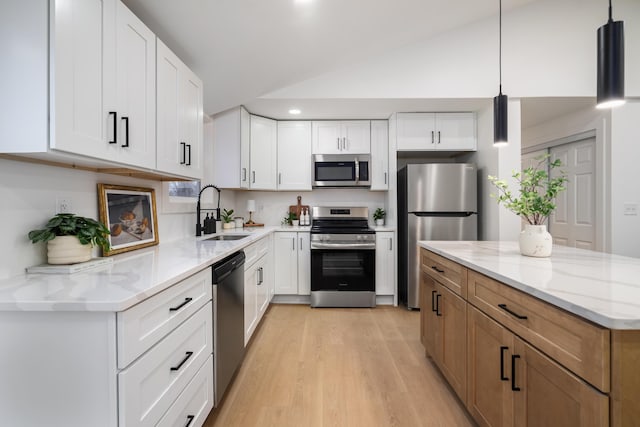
244,49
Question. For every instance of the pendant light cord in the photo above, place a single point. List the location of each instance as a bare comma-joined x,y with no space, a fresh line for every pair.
500,45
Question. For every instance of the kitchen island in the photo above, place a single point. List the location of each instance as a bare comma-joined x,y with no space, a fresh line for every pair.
545,341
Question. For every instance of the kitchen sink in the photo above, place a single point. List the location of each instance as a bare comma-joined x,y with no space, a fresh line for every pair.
228,237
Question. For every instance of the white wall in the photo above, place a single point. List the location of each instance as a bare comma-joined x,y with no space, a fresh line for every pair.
625,152
29,192
549,49
271,207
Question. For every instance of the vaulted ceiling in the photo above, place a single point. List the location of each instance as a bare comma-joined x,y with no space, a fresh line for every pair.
243,49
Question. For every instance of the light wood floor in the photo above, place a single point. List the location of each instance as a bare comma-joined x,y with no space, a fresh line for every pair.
338,367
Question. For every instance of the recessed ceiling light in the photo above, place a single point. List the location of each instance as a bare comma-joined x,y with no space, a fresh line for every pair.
294,111
302,1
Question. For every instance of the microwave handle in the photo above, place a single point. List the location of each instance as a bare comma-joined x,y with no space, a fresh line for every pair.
357,170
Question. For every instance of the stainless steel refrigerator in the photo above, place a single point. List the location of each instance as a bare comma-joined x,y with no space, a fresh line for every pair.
436,201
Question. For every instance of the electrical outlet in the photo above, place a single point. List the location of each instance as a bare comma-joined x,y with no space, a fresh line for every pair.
631,209
63,205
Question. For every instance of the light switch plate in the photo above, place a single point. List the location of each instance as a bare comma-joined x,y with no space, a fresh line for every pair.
631,209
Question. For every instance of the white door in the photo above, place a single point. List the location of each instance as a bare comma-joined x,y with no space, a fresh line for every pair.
294,155
263,285
385,262
191,123
251,278
456,131
574,221
304,264
379,172
416,131
136,89
83,46
170,153
356,136
286,263
326,137
264,134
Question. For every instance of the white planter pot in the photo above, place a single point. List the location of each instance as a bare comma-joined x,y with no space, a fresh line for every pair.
535,241
228,225
67,250
380,222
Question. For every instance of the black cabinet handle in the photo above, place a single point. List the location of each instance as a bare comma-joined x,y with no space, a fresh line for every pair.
189,161
115,127
502,377
437,269
438,137
188,355
184,153
433,300
513,372
126,132
254,177
189,420
513,313
178,307
432,140
438,305
244,174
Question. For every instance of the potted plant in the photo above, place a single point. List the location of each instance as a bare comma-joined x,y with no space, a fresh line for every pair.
227,219
536,202
289,218
378,216
70,238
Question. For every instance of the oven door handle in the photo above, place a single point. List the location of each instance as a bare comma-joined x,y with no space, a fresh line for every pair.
345,246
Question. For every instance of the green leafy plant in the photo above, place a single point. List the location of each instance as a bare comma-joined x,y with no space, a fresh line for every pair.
379,214
537,191
88,231
227,215
288,218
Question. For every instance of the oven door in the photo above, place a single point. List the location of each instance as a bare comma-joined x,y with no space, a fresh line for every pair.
343,270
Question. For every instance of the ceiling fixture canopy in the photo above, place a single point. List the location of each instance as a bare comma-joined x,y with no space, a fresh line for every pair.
611,63
500,116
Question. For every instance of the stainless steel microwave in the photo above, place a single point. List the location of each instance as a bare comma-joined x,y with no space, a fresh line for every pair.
341,170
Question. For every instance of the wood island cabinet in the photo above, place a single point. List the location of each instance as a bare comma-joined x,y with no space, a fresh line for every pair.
515,360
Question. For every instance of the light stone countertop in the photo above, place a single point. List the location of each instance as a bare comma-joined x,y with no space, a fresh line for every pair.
597,286
132,277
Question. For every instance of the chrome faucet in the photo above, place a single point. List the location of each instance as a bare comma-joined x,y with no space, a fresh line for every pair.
199,227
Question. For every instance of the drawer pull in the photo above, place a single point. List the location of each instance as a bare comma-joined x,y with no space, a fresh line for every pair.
514,314
178,307
502,377
437,269
438,305
189,420
433,300
513,372
188,355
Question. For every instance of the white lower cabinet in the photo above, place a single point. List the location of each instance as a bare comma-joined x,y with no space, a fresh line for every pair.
257,285
193,405
292,263
385,263
150,385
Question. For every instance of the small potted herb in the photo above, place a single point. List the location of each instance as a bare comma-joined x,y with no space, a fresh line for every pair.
378,216
70,238
227,219
289,218
536,202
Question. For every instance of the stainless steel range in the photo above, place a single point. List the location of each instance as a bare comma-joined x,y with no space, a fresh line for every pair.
343,257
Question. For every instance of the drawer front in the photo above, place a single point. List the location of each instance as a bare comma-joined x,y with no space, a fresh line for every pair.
152,383
196,401
450,274
143,325
580,346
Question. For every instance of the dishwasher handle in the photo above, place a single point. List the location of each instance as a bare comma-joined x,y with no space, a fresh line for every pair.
223,268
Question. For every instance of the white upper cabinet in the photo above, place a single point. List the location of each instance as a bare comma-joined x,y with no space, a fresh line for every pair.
263,154
231,147
179,116
294,155
436,131
379,155
136,90
341,137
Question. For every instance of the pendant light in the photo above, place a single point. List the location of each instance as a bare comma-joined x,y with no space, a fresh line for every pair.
500,117
611,63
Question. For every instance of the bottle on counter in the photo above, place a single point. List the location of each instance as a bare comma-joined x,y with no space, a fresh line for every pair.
304,219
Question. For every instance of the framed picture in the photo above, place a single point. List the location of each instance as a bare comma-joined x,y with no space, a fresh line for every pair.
130,214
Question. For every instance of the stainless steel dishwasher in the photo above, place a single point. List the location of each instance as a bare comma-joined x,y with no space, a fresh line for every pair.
228,319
